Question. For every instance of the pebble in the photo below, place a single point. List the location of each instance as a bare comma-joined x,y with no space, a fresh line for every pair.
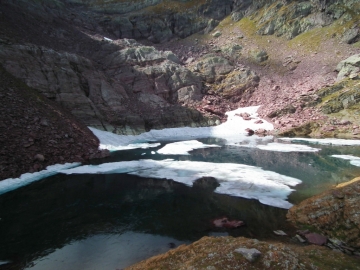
251,254
39,157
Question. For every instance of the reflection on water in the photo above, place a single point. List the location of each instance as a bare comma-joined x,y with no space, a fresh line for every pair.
54,212
106,251
96,221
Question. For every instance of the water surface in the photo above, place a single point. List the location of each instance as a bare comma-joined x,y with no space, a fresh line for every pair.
110,221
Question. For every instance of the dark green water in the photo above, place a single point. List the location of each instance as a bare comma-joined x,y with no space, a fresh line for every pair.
98,221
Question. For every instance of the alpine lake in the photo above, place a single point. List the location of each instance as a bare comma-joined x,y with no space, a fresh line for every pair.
113,220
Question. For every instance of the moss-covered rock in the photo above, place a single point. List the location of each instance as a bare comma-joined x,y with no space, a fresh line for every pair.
219,253
349,68
334,212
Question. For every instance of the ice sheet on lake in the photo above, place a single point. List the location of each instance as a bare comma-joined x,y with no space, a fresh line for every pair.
27,178
329,141
233,130
285,147
183,147
235,179
353,159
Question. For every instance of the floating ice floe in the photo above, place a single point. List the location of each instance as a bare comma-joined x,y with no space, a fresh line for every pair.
353,160
329,141
183,147
245,181
27,178
233,131
285,147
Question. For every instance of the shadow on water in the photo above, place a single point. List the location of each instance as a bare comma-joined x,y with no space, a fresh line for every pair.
51,213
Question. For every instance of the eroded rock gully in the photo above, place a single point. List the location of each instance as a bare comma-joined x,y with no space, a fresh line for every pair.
36,132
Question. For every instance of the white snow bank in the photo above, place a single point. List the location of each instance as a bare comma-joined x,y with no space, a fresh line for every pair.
235,179
285,147
233,130
113,142
330,141
183,147
353,160
27,178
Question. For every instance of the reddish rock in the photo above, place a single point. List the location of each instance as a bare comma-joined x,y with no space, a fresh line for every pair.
249,131
316,239
224,222
260,132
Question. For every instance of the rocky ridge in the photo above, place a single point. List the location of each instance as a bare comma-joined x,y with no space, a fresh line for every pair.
242,253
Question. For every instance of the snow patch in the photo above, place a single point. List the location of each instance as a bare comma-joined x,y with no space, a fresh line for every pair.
183,147
285,147
235,179
27,178
353,159
233,131
330,141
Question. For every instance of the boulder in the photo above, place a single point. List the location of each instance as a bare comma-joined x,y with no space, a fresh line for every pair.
238,83
260,56
217,34
251,254
212,67
349,68
351,35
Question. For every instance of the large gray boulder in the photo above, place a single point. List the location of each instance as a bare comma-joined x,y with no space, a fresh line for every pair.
349,68
238,83
212,66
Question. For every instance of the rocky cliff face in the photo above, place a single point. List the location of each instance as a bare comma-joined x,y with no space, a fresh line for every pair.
79,54
127,86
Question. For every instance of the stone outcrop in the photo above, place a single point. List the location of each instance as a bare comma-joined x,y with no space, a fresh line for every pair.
238,84
134,83
212,67
334,213
291,18
349,68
